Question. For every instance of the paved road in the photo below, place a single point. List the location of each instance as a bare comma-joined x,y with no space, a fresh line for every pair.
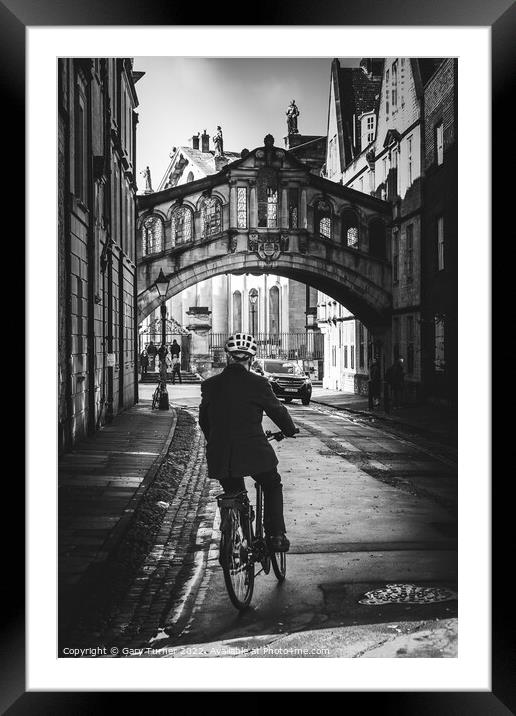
363,508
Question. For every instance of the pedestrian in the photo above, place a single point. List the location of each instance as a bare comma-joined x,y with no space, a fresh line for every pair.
162,352
375,382
230,416
144,362
151,352
175,348
395,377
176,369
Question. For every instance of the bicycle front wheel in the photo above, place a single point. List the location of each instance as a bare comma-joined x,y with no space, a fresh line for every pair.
236,559
279,565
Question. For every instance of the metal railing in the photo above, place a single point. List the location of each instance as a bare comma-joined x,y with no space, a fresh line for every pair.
288,346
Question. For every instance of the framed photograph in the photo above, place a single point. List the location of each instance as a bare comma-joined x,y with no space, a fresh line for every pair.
295,199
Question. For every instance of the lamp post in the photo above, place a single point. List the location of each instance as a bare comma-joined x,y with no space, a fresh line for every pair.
161,284
253,297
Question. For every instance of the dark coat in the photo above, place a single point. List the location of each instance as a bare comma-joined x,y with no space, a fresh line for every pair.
230,416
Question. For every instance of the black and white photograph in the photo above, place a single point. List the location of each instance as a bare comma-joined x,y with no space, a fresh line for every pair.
258,399
257,357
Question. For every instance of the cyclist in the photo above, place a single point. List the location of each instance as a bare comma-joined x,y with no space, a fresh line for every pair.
230,416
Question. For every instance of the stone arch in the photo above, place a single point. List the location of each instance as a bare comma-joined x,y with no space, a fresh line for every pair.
349,285
151,212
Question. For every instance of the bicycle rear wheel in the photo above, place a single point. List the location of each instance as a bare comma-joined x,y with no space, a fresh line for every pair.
236,558
279,565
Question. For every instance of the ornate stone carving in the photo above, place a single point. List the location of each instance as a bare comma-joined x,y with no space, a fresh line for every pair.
268,250
303,243
232,242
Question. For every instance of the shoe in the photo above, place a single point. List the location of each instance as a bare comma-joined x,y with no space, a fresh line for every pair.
278,543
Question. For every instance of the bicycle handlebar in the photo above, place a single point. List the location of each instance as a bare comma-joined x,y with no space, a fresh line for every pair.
277,436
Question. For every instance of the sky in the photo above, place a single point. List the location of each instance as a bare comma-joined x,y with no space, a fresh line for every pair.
247,97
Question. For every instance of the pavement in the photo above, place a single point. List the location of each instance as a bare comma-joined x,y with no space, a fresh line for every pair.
425,418
364,508
100,483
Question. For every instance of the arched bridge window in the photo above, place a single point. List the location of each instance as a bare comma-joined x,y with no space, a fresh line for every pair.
182,225
267,190
323,219
211,217
350,229
152,234
377,239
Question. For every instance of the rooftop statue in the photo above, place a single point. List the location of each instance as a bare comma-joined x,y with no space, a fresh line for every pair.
218,142
292,115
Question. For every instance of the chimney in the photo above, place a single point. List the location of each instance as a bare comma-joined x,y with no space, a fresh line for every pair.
195,141
205,142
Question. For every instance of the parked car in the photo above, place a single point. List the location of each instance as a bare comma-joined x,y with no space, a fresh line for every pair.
287,379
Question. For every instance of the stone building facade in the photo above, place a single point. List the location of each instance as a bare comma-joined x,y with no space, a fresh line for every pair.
391,163
96,243
439,258
283,306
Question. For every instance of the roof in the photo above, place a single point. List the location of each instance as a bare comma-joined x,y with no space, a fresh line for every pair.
356,92
205,161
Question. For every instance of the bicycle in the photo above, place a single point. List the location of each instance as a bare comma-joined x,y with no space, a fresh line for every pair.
242,546
156,396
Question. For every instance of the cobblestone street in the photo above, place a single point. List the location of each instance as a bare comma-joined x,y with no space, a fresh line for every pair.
364,507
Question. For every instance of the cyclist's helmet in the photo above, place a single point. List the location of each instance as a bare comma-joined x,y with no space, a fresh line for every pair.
241,346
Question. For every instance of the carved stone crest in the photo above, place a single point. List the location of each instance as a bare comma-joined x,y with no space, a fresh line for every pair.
268,250
232,242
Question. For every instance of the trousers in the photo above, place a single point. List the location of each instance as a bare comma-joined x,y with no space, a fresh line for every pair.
270,482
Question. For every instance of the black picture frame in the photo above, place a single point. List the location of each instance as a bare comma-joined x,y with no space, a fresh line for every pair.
500,15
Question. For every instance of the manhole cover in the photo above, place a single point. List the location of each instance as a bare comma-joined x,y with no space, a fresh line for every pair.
408,594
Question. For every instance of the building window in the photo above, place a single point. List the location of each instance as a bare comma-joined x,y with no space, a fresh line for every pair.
439,143
190,177
181,225
323,219
440,243
396,256
394,94
352,363
293,200
274,311
409,236
211,217
387,92
410,345
345,356
370,128
350,229
152,235
241,207
439,354
237,312
80,159
409,160
267,190
334,356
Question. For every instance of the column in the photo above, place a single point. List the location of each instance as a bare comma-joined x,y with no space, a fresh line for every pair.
232,205
284,208
253,206
302,212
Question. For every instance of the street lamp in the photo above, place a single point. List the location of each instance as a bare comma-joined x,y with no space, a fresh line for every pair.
253,297
161,285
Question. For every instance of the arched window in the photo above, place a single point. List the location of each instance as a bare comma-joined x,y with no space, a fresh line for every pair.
211,217
190,177
181,225
350,229
152,234
323,219
377,239
237,311
274,316
267,191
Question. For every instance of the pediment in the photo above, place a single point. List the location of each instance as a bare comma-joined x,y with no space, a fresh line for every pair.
392,137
